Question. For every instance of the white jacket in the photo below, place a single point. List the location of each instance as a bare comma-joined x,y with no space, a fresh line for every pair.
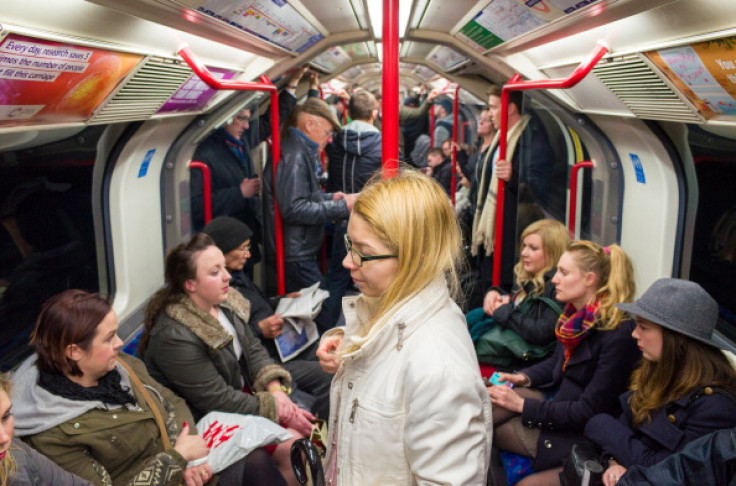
409,407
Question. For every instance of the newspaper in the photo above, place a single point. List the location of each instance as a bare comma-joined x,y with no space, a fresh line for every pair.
299,331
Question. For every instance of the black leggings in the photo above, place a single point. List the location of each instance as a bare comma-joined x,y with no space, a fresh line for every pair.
255,469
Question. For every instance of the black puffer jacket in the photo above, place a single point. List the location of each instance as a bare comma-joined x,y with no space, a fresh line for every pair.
354,155
304,207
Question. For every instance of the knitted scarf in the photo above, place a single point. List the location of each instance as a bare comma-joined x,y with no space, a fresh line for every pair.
573,326
109,390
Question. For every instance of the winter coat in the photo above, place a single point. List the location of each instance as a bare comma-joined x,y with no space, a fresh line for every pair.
190,352
35,469
105,444
409,406
443,174
304,207
596,374
354,157
709,460
700,412
535,323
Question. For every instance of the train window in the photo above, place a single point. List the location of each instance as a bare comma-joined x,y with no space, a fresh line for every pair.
47,241
713,263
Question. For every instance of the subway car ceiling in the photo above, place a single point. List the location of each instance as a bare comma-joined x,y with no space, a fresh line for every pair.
667,60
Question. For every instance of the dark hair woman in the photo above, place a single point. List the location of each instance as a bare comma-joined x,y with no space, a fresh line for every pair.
684,388
100,415
197,341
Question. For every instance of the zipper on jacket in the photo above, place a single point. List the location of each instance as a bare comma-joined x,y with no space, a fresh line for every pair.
400,343
352,411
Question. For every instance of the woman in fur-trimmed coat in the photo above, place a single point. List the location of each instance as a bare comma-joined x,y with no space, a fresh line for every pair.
198,343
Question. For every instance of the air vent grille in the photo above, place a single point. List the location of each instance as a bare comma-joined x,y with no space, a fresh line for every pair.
144,92
643,91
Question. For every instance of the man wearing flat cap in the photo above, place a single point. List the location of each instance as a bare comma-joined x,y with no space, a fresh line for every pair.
304,207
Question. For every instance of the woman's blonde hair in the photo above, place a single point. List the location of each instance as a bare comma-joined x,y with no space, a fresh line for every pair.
555,239
7,465
615,284
412,216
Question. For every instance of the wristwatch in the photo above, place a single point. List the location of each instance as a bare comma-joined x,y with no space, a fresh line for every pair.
281,387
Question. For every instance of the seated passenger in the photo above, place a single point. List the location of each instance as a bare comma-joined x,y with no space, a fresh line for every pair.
408,404
589,369
707,460
21,465
198,343
684,388
233,238
85,407
532,310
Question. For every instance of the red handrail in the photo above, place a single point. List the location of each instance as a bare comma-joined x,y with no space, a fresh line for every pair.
455,120
573,212
431,128
206,188
514,84
390,83
265,85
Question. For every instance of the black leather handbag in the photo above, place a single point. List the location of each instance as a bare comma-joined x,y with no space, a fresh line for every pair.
582,468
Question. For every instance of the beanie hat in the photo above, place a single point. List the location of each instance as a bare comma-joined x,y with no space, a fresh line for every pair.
446,103
228,232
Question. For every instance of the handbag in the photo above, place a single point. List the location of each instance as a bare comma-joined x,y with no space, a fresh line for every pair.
582,468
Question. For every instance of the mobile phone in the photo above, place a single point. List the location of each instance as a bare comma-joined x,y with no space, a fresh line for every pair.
495,379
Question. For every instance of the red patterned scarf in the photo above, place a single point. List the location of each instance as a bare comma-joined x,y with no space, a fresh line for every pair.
573,326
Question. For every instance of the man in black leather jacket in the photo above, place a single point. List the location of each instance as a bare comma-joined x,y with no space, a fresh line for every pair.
304,207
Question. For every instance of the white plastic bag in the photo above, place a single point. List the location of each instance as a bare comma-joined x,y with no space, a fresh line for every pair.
232,436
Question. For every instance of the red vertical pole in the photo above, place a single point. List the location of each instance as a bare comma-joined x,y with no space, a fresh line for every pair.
390,87
206,188
431,127
573,211
278,223
455,120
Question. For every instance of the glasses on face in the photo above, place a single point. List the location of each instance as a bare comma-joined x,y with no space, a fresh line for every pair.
358,258
245,248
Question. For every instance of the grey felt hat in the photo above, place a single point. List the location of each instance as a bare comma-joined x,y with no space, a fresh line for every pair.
679,305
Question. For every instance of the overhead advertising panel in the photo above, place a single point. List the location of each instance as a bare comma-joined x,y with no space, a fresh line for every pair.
332,59
503,20
446,57
704,72
52,82
194,94
273,20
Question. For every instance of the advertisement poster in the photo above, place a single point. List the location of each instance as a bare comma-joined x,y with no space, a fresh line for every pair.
273,20
332,58
704,72
194,94
498,22
446,57
51,82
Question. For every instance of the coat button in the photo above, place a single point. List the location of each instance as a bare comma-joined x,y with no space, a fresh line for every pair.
708,390
548,444
115,416
671,417
76,425
350,385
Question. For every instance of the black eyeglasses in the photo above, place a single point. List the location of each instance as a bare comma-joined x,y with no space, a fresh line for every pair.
358,258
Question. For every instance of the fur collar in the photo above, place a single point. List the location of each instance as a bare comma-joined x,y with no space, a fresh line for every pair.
203,325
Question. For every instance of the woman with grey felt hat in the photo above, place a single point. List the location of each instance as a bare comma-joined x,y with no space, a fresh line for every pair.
684,388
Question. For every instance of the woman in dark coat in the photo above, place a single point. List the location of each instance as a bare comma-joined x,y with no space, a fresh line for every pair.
197,341
685,387
588,371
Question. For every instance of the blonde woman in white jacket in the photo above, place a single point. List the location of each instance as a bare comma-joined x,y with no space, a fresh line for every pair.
408,406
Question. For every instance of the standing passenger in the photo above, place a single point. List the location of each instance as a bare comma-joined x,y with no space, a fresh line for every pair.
408,404
304,207
589,369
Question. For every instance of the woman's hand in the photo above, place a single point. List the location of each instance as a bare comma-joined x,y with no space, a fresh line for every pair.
292,416
490,301
613,473
505,299
518,379
328,358
197,475
271,326
505,397
190,447
302,422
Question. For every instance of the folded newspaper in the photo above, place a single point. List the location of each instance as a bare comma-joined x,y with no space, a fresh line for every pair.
299,330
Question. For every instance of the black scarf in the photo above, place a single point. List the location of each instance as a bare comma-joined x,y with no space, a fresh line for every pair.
108,390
